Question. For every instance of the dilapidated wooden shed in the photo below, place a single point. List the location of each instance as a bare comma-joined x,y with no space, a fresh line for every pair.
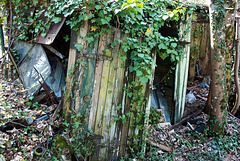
96,83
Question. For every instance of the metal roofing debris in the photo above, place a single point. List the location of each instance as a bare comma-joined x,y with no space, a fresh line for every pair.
54,74
51,33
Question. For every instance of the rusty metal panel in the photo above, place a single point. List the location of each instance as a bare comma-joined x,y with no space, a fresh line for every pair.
51,33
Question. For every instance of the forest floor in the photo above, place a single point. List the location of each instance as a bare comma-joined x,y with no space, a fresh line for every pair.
190,140
23,139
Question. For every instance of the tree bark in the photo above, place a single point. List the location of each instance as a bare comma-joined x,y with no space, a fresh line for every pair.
236,64
218,85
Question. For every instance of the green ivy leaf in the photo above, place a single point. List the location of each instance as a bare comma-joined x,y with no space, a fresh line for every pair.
66,38
98,7
29,103
148,32
119,107
35,2
43,34
162,46
79,47
124,58
104,21
143,80
139,73
163,55
57,19
174,45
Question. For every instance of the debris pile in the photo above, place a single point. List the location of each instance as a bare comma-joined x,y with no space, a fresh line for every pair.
189,139
197,94
27,128
183,143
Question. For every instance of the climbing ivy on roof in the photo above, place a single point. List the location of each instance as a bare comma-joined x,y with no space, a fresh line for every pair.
141,20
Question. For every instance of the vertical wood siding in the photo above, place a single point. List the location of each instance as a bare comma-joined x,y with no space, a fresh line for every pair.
181,73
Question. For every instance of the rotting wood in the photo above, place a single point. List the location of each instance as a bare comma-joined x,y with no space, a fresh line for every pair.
16,123
102,94
79,74
45,87
110,91
125,109
86,80
96,86
71,66
203,98
59,107
186,119
149,101
15,65
54,51
181,74
115,129
200,49
163,147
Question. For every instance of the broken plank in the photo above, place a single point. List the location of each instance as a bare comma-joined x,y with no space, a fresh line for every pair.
163,147
87,79
109,97
97,84
115,131
72,64
54,51
102,94
186,119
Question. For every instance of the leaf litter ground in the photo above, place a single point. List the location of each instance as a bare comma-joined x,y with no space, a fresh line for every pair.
20,140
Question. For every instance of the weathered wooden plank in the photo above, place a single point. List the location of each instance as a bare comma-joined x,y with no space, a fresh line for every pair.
200,49
149,98
102,94
115,131
181,74
72,65
125,109
110,92
88,78
76,85
136,131
97,83
187,49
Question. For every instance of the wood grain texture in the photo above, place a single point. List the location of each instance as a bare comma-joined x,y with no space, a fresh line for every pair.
102,95
96,84
72,65
109,97
181,74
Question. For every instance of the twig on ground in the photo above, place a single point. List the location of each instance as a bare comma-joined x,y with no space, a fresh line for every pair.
163,147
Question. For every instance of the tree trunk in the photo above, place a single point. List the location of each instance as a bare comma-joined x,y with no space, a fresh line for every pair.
236,63
218,85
